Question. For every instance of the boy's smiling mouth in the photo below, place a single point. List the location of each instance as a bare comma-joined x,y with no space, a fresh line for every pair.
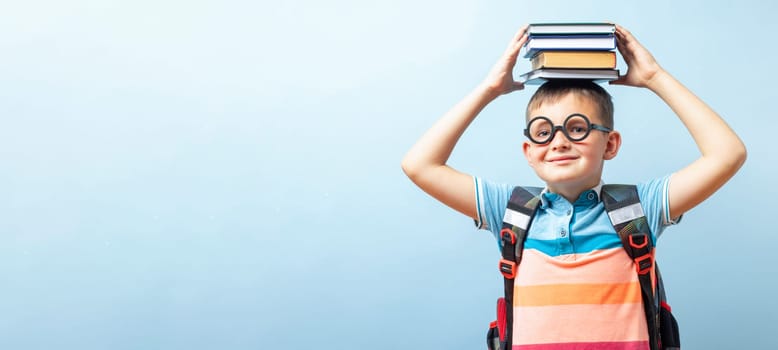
561,159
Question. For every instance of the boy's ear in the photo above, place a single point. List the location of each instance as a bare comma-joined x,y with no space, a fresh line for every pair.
613,145
525,146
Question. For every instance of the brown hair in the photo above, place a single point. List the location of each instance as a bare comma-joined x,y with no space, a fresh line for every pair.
554,90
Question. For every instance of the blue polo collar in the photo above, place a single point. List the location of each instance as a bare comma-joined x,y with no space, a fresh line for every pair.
586,198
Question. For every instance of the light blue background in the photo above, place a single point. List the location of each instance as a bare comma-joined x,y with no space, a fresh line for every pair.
225,174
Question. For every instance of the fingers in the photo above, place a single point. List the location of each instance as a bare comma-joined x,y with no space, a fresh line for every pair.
511,53
626,38
523,39
520,33
501,75
627,45
623,36
624,33
622,47
520,38
620,81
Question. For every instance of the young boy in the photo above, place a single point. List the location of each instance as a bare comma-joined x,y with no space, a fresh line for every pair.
576,287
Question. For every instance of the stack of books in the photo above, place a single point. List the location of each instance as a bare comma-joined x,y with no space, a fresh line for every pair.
570,51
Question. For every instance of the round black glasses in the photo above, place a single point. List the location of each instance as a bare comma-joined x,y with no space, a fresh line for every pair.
541,130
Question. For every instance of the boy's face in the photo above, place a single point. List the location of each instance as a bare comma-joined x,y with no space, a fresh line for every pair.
571,166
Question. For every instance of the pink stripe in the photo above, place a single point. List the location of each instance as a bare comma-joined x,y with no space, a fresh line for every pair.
599,266
579,323
630,345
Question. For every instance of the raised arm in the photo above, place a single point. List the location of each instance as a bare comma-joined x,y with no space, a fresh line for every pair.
425,163
722,152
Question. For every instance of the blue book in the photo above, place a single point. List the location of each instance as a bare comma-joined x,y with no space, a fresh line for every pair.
538,43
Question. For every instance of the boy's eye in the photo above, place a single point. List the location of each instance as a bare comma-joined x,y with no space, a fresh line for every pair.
540,128
542,133
577,129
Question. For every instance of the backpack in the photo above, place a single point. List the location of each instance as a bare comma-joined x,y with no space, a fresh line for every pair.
623,207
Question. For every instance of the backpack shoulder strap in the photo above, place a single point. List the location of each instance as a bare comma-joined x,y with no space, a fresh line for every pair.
518,216
624,210
516,222
622,204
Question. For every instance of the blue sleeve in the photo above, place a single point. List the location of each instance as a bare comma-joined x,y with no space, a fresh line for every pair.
491,200
653,198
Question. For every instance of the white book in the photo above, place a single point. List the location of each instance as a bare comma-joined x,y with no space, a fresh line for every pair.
536,44
571,28
538,76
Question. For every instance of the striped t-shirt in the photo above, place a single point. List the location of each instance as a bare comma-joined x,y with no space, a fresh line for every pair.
576,288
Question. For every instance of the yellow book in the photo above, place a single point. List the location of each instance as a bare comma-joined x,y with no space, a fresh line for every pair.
574,59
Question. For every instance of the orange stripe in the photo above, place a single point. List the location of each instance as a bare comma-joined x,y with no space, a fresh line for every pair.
567,294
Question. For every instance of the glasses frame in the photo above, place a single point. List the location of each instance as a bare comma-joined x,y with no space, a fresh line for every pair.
555,128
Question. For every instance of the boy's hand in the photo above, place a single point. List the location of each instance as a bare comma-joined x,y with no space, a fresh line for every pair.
500,79
642,68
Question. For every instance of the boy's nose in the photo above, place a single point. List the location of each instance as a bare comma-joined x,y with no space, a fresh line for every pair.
559,139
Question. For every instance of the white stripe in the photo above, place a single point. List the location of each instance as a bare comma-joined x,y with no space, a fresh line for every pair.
516,218
479,222
666,203
622,215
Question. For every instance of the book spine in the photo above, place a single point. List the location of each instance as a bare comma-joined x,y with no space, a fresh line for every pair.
574,59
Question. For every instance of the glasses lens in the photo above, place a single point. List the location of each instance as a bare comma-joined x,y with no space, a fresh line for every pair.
539,130
577,127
